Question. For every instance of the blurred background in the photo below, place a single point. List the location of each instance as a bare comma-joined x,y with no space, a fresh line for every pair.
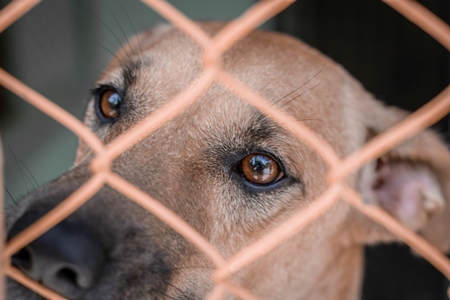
60,46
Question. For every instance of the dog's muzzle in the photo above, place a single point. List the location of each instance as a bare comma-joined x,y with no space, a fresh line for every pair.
66,259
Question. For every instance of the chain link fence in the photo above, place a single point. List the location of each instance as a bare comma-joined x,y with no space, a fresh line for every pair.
213,49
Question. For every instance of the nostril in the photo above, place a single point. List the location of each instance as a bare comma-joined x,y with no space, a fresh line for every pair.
68,276
23,260
67,258
65,281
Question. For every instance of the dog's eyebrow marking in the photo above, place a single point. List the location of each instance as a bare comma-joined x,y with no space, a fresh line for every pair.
129,72
260,128
248,137
256,136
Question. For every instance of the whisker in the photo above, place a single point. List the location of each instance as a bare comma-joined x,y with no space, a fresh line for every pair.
121,62
306,82
107,27
132,25
129,55
317,120
10,195
18,164
300,95
30,174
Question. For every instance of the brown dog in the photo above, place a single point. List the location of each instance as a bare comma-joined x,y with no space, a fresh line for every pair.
233,174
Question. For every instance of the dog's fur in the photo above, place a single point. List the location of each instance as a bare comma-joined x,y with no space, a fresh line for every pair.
188,166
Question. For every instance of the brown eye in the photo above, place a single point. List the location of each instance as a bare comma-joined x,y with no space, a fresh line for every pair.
260,169
110,103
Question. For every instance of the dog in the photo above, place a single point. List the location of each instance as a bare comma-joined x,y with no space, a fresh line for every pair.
233,174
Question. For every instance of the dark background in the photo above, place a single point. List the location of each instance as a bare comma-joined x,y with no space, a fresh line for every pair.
62,45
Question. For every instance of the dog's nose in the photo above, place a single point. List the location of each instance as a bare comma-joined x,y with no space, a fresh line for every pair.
66,259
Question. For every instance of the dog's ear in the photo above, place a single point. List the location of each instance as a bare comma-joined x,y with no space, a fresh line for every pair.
411,181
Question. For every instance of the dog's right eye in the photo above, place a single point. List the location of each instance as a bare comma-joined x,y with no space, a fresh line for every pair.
109,103
260,169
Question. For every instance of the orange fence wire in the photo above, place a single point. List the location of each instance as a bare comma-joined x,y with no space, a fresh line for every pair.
213,49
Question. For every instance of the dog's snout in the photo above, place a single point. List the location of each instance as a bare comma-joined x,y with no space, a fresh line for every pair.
66,259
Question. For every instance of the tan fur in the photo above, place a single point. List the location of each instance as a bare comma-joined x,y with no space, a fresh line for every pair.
181,165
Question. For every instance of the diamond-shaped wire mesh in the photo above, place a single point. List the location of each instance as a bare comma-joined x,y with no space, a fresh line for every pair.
213,48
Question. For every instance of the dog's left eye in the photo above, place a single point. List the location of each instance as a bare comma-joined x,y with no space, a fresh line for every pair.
260,169
109,103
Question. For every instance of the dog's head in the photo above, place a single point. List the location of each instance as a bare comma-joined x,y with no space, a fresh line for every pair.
230,172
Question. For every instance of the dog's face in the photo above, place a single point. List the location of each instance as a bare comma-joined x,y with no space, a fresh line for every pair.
229,171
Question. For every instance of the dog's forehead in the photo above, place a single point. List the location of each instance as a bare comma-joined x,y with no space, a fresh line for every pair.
158,65
161,63
165,61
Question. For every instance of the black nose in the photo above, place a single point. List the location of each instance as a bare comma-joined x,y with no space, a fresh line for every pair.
66,259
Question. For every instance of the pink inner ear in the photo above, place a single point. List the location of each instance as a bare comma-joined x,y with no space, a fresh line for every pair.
408,191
